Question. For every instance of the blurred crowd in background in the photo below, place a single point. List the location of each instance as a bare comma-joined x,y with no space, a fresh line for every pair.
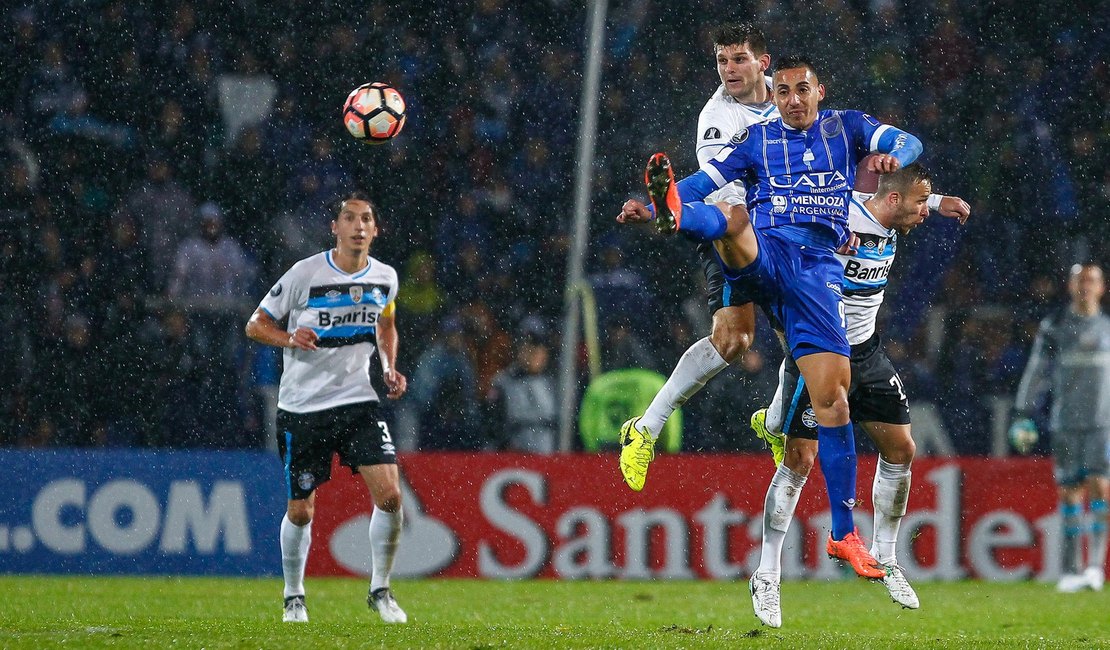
164,162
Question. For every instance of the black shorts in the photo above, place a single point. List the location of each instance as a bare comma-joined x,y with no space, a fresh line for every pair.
308,440
714,277
876,394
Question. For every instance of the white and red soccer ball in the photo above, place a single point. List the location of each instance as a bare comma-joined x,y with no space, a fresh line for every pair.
374,113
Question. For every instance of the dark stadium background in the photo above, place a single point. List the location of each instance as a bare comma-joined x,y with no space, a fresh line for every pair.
112,122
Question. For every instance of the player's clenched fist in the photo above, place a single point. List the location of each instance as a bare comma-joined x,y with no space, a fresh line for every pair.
633,211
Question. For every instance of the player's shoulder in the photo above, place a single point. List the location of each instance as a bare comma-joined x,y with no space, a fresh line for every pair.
851,117
860,219
383,271
764,129
717,120
1053,319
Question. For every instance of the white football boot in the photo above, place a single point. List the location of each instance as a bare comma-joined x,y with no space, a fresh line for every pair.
899,588
383,602
295,610
1071,583
1095,576
765,599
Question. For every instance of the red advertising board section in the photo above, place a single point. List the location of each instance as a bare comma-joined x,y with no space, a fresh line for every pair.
700,516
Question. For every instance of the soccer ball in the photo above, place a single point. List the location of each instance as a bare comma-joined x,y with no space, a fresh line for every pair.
374,113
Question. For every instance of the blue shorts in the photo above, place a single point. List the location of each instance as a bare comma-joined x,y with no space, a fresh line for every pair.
796,279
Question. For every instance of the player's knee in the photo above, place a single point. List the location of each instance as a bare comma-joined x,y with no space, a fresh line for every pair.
901,452
300,514
835,408
800,458
390,500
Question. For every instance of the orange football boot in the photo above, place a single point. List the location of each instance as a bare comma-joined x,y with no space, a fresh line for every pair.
851,550
663,193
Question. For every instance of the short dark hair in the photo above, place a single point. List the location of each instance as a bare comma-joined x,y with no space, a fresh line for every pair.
357,195
738,34
792,61
902,180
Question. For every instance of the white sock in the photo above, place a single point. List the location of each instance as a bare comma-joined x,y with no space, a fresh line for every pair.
773,422
778,510
700,363
295,541
385,529
889,494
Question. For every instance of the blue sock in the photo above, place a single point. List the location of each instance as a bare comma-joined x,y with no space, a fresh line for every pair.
702,222
837,453
1098,510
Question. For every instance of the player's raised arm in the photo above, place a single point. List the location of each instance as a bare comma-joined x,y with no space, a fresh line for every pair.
896,148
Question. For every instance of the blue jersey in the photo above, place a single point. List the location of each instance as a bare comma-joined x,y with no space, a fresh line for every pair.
800,177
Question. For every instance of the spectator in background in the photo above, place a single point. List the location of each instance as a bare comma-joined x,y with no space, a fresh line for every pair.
523,409
489,347
210,278
211,272
245,186
163,210
424,299
623,348
442,404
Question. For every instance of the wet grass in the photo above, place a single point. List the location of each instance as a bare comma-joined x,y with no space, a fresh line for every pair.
92,612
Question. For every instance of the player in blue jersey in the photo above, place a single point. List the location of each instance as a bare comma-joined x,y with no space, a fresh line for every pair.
798,171
331,313
878,401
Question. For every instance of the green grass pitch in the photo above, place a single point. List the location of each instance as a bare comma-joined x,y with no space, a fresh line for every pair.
153,612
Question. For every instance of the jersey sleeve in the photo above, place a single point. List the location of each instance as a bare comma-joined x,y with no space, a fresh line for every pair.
281,299
733,160
714,132
394,287
869,135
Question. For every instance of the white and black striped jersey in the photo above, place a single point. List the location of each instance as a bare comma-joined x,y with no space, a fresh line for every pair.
865,273
343,309
721,118
1070,359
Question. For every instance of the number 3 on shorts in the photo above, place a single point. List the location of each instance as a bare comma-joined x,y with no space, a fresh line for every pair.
385,431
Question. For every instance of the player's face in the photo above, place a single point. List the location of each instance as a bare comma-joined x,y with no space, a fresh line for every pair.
797,94
913,208
355,228
741,71
1087,285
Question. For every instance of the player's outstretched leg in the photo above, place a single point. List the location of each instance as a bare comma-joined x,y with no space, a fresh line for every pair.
659,178
775,440
765,598
637,452
851,550
383,602
295,610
